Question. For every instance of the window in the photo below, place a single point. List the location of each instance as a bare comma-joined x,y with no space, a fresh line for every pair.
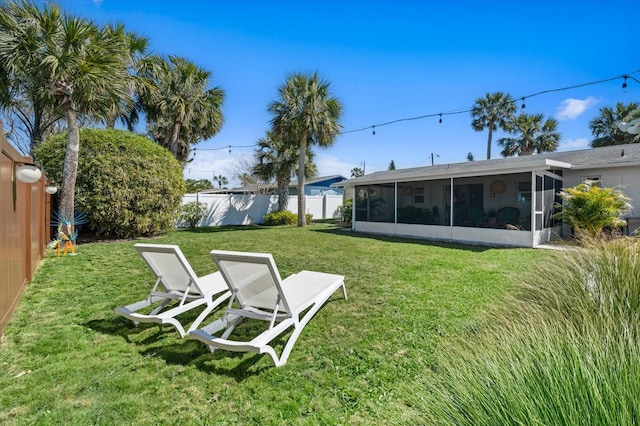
524,192
418,195
591,180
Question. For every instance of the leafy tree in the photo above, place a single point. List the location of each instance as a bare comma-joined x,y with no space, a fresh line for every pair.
221,180
181,110
278,159
357,172
604,128
308,113
128,185
83,66
589,209
392,165
193,185
493,111
531,135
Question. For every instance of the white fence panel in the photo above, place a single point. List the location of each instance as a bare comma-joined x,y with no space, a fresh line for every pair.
237,209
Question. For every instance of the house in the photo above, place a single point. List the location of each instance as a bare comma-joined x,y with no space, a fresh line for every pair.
315,186
507,201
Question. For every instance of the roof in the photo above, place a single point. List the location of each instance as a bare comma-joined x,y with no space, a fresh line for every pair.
610,156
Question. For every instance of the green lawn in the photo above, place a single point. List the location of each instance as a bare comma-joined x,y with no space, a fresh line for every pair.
66,357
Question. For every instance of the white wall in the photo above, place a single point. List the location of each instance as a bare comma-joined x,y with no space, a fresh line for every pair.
233,209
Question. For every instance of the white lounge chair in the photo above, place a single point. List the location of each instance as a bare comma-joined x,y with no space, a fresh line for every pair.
260,293
180,284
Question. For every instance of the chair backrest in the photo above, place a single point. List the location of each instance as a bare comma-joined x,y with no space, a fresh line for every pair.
170,265
508,215
253,278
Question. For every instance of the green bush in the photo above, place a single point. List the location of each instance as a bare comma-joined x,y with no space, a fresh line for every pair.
589,209
127,185
346,210
283,218
192,213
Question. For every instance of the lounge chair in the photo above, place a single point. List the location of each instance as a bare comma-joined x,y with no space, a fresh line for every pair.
180,284
260,293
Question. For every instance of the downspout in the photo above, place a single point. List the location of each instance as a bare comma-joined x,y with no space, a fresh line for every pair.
395,207
451,208
532,218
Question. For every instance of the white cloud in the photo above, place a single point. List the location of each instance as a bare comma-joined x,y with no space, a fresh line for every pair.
97,2
571,108
571,144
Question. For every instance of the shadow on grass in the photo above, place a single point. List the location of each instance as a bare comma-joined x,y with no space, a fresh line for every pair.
407,240
217,229
176,351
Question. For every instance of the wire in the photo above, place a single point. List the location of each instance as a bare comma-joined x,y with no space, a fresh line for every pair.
463,111
453,112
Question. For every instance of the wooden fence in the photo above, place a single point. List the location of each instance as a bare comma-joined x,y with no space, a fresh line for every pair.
24,229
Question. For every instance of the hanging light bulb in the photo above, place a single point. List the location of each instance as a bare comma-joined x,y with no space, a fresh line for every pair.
440,121
229,149
523,105
374,129
624,83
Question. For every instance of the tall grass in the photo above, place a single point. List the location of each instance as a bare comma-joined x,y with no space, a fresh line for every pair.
563,351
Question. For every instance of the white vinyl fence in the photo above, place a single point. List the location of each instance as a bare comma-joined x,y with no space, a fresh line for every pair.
235,209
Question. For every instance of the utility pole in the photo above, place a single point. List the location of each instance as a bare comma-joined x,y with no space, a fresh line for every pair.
432,154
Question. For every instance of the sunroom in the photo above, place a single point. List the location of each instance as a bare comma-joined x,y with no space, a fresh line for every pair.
506,202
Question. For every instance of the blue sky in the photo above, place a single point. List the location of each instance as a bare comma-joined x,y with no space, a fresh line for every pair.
388,60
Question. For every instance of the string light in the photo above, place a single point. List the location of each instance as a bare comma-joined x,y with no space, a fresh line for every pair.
624,76
455,112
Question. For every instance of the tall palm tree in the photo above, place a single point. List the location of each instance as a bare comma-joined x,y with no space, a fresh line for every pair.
183,110
74,64
138,82
531,135
277,158
221,180
307,112
604,127
493,111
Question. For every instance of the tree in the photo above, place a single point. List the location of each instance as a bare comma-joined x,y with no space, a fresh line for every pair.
392,165
276,158
83,66
193,185
221,180
307,112
604,127
357,172
531,134
470,156
181,110
493,111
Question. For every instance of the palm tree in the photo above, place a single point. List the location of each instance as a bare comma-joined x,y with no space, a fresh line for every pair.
221,180
183,110
276,158
83,66
605,130
308,113
531,135
493,111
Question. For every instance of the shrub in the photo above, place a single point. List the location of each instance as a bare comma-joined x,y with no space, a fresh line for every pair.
346,210
283,218
589,209
192,213
280,218
127,185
